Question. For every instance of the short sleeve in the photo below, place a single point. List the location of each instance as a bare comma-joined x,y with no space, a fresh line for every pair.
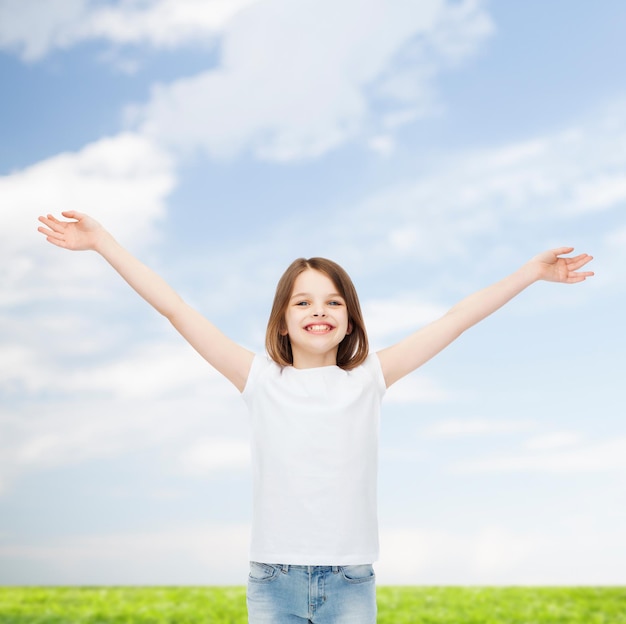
374,368
260,365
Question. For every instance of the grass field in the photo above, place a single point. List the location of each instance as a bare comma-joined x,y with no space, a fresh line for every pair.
397,605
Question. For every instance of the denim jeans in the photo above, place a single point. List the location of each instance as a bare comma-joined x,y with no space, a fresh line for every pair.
290,594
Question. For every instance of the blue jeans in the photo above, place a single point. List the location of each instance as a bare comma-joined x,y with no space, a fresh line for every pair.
290,594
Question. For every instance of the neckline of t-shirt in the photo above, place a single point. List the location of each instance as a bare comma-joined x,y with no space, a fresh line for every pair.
314,368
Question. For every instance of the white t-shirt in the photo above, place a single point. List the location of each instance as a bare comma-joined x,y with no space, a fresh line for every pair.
315,462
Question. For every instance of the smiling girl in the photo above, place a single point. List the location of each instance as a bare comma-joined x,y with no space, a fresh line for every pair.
314,403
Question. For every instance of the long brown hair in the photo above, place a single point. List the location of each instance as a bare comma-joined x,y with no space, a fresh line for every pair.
353,349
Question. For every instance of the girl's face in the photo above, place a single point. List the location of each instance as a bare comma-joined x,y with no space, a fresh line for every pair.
316,320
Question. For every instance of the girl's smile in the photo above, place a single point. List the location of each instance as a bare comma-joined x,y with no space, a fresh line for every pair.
318,329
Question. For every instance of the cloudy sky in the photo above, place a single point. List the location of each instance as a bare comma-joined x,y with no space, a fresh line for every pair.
429,147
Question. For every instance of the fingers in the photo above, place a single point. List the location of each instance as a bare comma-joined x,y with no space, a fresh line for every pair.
559,251
54,224
50,220
55,232
51,234
579,261
575,263
56,238
59,242
72,214
579,277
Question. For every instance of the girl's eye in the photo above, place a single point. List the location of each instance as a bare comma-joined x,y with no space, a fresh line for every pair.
330,303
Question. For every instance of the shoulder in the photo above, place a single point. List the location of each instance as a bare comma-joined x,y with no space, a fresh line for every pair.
262,367
372,370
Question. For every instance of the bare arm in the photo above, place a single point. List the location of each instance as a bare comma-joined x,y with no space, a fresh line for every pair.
410,353
84,233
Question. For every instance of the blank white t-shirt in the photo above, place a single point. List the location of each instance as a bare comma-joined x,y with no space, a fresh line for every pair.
315,462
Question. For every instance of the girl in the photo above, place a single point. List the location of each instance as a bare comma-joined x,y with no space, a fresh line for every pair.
314,406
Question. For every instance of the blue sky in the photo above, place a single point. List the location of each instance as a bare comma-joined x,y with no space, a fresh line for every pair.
430,148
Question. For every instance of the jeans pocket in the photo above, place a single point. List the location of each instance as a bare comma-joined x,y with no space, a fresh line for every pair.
358,573
262,572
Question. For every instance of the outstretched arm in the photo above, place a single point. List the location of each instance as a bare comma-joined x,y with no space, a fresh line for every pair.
85,233
407,355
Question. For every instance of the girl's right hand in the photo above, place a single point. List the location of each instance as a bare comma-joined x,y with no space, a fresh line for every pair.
78,235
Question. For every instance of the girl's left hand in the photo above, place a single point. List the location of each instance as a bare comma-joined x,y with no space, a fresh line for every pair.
553,268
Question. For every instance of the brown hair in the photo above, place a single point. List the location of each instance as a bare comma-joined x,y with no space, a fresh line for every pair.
353,349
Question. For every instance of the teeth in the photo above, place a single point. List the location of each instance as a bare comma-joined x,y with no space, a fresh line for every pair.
318,327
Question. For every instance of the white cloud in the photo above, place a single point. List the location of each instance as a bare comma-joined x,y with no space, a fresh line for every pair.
433,556
160,394
218,554
617,238
600,192
519,197
401,454
416,389
160,370
162,23
386,317
479,214
71,432
384,144
63,433
209,554
461,427
495,555
613,272
207,456
607,456
299,79
120,180
553,173
555,440
155,371
34,28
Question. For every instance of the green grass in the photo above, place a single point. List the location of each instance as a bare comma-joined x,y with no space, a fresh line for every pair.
502,605
397,605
